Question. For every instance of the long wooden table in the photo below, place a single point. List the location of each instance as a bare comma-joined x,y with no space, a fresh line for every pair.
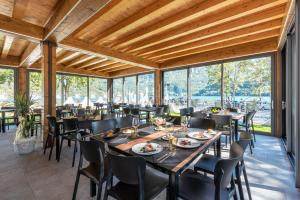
173,166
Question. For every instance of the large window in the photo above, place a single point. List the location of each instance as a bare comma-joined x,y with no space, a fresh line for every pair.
130,90
146,89
175,89
35,88
59,94
118,90
247,85
205,87
7,87
97,90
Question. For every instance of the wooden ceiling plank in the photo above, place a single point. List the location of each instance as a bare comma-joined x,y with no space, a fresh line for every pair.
67,56
223,44
21,28
79,60
118,69
251,30
31,54
253,48
132,19
197,10
70,16
286,22
111,67
8,40
270,15
100,65
90,63
110,54
204,22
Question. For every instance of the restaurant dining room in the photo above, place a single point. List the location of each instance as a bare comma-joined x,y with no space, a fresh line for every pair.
152,99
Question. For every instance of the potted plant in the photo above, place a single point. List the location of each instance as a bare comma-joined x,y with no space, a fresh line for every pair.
24,140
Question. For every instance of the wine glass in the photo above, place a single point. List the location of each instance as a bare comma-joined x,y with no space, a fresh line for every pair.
135,124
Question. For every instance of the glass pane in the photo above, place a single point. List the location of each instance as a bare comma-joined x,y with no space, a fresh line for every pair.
35,88
75,90
98,90
247,85
130,90
58,90
175,89
205,87
7,87
117,90
146,89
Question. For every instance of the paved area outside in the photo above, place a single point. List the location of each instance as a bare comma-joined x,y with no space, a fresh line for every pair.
33,177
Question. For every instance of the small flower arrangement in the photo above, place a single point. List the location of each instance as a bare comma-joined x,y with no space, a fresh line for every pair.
158,121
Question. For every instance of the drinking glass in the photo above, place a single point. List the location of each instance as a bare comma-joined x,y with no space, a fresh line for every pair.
135,125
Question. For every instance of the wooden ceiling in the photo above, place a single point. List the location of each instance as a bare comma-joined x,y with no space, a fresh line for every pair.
120,37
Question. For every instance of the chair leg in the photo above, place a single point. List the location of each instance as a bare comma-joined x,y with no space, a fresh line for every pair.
60,148
226,141
76,186
251,149
239,183
52,143
247,183
74,153
46,145
99,192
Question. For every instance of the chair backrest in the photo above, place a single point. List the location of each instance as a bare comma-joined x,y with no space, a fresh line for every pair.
132,170
126,110
222,120
124,122
52,124
159,111
199,114
202,123
81,112
225,167
190,110
232,110
70,124
183,111
245,139
135,111
103,126
108,116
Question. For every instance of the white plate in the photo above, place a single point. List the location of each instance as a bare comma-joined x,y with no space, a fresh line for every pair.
159,129
195,133
127,131
137,149
211,133
194,143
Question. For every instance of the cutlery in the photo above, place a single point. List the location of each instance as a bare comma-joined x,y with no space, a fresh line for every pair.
162,157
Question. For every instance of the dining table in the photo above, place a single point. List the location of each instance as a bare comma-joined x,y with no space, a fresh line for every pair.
3,113
147,110
171,162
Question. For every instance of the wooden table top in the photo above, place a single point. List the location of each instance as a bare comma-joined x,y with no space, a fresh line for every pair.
235,115
179,160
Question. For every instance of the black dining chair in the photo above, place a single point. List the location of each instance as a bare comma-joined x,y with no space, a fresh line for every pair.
53,133
37,120
199,114
108,116
201,123
135,112
248,125
126,111
224,124
135,181
159,112
183,112
190,110
124,122
207,164
71,133
97,169
80,112
194,186
103,126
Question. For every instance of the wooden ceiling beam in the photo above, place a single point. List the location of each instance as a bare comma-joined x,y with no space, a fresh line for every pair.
207,21
88,48
31,54
69,16
100,65
21,28
79,60
227,43
252,48
131,20
8,40
251,30
199,9
128,72
10,61
269,16
286,22
67,56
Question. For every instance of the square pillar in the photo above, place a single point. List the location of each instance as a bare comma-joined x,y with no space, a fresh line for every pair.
48,50
158,87
22,80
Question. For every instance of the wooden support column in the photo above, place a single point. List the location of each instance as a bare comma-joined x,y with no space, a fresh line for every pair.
48,50
22,80
109,90
277,100
158,87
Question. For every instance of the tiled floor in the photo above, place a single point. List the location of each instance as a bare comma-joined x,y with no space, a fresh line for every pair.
30,177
